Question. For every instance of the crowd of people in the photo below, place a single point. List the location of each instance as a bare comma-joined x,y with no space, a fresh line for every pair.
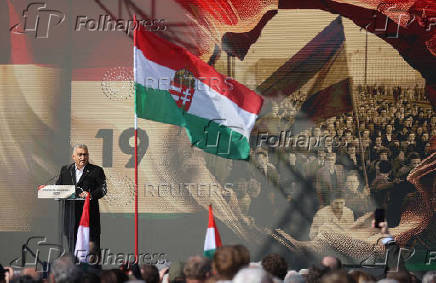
230,263
360,159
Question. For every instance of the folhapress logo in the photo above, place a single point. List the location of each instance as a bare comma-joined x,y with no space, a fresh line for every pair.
39,20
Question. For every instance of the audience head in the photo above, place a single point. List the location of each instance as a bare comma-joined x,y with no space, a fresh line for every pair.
113,276
197,269
262,157
64,270
331,158
275,265
429,277
331,262
90,277
2,274
361,277
150,273
385,166
252,275
352,181
400,276
176,272
244,254
315,273
337,276
226,262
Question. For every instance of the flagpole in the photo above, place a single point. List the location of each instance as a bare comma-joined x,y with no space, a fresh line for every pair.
366,58
362,151
136,151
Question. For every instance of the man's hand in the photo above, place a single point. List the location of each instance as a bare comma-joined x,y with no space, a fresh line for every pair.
83,194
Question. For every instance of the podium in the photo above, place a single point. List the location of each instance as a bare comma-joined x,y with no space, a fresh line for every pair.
62,194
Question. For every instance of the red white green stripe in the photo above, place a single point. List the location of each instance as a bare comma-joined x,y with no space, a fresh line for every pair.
218,113
213,239
81,249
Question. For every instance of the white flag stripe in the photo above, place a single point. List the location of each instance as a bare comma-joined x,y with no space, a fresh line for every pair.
82,245
151,74
209,242
206,102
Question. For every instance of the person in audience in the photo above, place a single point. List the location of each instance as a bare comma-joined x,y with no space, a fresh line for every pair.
243,254
429,277
64,270
315,273
329,179
150,273
357,194
337,276
331,262
334,217
400,276
362,277
90,277
112,276
197,269
275,265
252,275
382,186
176,274
226,263
294,277
3,274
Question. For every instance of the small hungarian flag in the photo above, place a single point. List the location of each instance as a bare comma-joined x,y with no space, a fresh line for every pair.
213,239
81,250
173,86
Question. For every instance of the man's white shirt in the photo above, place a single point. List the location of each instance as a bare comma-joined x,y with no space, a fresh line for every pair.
326,220
79,173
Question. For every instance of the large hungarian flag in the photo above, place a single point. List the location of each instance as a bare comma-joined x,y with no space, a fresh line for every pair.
173,86
213,239
81,250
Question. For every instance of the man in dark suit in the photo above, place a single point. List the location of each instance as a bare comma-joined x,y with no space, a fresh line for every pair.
330,178
88,179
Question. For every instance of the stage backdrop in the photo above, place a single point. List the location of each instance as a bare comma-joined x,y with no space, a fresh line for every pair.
66,77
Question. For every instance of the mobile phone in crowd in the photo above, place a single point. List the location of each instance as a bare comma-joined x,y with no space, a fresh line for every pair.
379,216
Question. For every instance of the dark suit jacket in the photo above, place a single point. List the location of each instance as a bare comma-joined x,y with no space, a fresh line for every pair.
324,187
93,181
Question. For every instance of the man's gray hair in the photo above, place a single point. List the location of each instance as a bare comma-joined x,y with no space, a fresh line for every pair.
65,270
79,145
429,277
253,275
